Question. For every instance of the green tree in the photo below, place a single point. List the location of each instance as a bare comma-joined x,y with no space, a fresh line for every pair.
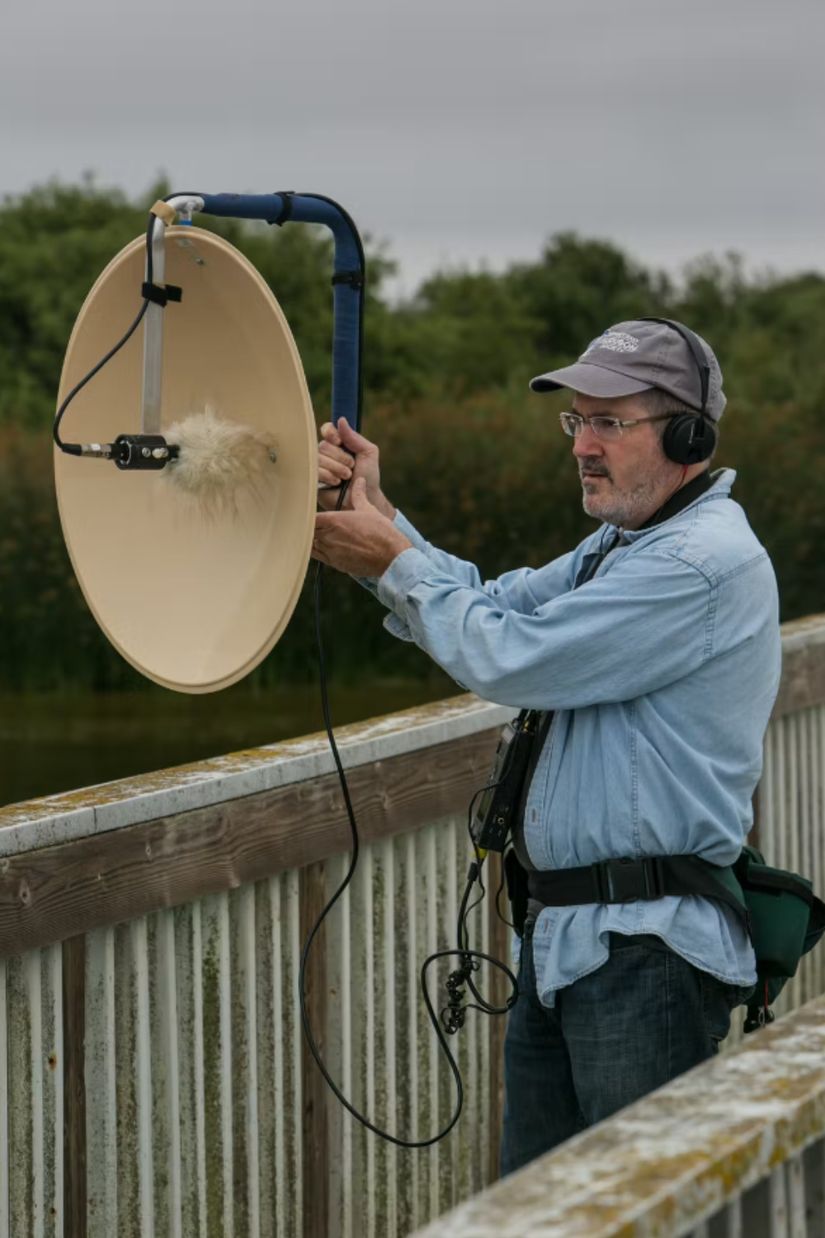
474,458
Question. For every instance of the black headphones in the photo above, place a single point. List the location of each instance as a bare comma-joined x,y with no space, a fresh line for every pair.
690,438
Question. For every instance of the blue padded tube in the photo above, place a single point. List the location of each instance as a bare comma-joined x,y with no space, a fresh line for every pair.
347,298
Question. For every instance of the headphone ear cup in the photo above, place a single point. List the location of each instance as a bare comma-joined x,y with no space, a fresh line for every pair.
689,439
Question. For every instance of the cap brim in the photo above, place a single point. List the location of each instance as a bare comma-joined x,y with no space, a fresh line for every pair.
589,379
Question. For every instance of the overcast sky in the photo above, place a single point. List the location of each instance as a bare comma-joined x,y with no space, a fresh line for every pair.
460,131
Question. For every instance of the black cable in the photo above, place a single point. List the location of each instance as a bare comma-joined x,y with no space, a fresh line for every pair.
467,956
463,932
313,1047
499,913
74,449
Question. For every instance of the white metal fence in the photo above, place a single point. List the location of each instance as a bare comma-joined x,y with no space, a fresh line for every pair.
31,1094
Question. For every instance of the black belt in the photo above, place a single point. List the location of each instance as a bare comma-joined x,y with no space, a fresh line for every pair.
623,880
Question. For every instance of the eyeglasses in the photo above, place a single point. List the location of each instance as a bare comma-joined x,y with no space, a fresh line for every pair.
606,428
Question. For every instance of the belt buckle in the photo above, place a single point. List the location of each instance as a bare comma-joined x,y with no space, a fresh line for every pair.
625,880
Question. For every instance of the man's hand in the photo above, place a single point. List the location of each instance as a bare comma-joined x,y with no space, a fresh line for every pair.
360,541
343,454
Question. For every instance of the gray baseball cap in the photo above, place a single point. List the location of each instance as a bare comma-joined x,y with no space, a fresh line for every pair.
634,356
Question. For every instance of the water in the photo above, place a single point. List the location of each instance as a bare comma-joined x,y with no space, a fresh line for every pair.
51,742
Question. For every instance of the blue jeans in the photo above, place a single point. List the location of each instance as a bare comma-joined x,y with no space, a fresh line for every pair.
642,1018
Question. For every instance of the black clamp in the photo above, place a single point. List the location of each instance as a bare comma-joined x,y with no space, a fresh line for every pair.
159,295
759,1008
286,196
355,279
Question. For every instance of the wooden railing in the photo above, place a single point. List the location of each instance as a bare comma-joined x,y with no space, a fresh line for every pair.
150,932
153,1078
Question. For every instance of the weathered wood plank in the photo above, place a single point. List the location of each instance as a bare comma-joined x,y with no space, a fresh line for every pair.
74,1087
61,891
314,1091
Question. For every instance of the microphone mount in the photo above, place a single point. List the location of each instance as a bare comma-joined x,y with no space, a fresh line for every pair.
133,452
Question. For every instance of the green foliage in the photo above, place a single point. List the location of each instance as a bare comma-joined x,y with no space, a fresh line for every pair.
474,459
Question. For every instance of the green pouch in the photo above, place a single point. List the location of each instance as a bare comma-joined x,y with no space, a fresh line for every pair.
785,921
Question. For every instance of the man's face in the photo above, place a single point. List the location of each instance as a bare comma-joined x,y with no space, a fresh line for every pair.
626,481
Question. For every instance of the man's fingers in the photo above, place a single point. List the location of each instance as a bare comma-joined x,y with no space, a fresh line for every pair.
330,434
335,461
333,475
318,539
359,494
352,439
335,453
343,435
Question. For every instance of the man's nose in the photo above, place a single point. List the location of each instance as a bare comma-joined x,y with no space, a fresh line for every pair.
586,443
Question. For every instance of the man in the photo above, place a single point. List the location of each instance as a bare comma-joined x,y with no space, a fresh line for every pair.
653,650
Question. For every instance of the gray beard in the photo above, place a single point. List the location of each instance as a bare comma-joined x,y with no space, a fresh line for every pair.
626,511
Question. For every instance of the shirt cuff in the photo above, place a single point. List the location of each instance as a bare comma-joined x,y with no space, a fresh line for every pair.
403,525
405,571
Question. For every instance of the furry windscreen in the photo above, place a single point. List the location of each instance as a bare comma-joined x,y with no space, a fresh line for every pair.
219,461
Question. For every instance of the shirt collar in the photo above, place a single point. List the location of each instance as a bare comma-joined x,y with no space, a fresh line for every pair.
706,485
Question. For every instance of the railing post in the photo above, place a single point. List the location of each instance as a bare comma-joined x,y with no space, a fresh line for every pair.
499,949
315,1158
74,1087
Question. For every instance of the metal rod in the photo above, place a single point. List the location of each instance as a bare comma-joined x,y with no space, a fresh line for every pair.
150,409
153,338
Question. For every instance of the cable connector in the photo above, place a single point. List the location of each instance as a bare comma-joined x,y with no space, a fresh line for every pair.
453,1014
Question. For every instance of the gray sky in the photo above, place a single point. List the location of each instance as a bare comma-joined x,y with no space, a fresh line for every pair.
458,130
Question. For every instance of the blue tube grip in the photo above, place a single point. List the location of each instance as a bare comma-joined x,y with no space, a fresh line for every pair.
348,278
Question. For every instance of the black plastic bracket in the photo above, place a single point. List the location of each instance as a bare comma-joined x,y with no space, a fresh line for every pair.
355,279
286,196
159,295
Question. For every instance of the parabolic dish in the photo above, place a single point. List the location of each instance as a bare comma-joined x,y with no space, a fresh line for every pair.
193,600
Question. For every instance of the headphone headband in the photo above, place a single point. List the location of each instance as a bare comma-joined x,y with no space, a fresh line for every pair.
696,351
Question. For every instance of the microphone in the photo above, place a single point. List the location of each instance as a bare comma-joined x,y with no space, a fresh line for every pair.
208,458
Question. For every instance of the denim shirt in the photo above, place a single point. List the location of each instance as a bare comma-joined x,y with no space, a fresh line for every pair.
662,671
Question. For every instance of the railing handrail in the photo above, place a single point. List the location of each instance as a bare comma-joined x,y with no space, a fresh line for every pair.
134,847
36,823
